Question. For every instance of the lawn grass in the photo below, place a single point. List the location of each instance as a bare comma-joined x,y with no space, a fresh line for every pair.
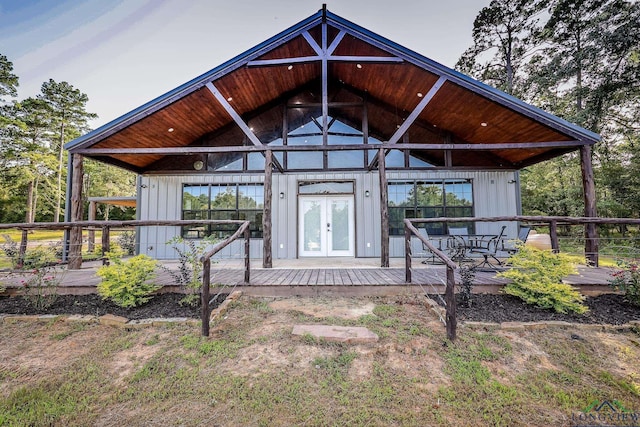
252,371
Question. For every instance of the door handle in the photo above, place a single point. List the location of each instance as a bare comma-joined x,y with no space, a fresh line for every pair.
328,226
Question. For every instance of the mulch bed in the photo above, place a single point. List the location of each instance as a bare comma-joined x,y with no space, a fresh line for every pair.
162,305
605,309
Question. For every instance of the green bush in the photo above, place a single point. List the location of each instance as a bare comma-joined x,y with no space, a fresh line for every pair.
126,283
536,278
189,273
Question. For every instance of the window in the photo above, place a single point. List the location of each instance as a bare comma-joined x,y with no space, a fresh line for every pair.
222,202
429,199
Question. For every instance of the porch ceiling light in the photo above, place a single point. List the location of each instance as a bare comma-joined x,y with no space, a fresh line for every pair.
170,130
483,124
359,66
230,98
420,95
290,67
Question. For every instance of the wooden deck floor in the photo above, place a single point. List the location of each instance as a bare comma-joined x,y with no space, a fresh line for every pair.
347,281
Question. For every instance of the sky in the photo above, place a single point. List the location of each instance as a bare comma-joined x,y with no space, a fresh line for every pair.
124,53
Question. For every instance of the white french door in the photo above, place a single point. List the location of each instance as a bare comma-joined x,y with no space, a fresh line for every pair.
326,226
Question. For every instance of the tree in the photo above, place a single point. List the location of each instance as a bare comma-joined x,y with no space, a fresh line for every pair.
8,80
503,35
69,119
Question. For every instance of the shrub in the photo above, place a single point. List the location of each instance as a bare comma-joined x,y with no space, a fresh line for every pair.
189,273
127,241
10,249
627,279
467,277
126,283
536,278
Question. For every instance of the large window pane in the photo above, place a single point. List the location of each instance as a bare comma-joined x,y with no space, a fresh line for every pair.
349,159
459,194
195,197
223,197
225,162
255,161
430,199
429,194
222,202
394,159
401,194
305,160
250,196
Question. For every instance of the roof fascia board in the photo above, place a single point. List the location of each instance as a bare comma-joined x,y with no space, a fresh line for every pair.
194,84
463,80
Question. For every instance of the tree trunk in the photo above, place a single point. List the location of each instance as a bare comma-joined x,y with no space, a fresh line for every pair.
56,215
28,218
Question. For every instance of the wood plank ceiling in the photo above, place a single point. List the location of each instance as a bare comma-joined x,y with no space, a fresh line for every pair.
391,91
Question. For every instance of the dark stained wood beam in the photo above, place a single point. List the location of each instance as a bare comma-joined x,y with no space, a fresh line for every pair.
234,115
75,235
190,150
416,111
266,214
384,210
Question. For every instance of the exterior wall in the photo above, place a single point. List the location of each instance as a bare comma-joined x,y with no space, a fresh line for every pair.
494,194
160,197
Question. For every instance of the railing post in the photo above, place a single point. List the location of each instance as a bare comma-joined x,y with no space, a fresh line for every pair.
407,254
206,277
106,246
247,258
450,301
23,248
553,234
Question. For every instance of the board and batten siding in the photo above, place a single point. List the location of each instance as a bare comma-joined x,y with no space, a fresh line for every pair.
160,197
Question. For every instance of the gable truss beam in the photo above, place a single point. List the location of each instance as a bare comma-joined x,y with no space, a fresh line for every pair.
236,118
234,114
416,111
188,150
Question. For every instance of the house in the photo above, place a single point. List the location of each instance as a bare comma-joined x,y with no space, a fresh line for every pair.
326,136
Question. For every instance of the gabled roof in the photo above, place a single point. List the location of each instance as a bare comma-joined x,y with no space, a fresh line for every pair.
404,92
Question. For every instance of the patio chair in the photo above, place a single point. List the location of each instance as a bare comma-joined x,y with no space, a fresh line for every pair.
422,250
458,243
511,246
487,245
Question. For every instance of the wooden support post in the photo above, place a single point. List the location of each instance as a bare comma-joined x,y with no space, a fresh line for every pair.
553,234
407,255
267,258
247,258
204,296
75,236
384,210
450,301
106,245
589,191
92,233
23,248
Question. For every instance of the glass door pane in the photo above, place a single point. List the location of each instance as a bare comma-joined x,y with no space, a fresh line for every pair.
311,231
340,225
340,217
